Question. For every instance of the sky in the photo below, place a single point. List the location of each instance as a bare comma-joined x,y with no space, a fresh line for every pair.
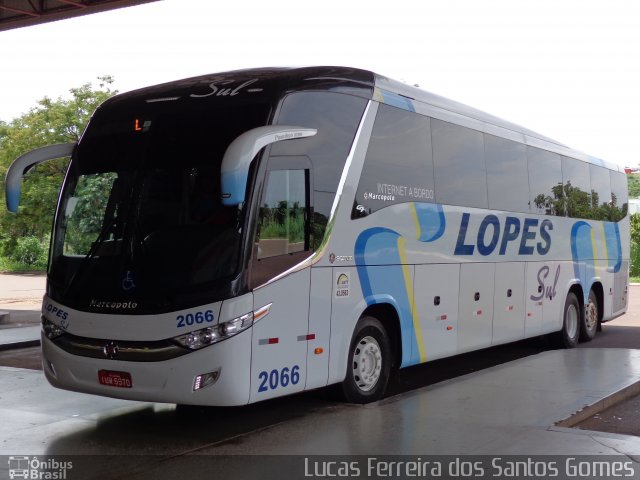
568,69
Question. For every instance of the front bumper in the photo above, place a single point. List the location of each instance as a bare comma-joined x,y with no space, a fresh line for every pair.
170,381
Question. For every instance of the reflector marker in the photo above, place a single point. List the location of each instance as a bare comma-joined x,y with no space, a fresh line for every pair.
268,341
510,308
261,312
449,328
477,313
304,338
441,317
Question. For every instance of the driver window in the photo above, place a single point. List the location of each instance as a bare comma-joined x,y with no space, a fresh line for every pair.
282,235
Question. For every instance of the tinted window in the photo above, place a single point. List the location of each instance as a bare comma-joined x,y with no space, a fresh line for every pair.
398,167
577,188
507,182
619,196
545,182
282,237
336,117
600,193
282,226
458,157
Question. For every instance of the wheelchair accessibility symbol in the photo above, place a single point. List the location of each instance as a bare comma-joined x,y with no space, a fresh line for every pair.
128,282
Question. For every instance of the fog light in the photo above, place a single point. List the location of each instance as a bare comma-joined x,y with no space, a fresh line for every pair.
52,369
205,379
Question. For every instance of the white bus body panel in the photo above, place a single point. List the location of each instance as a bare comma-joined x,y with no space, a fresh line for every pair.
345,312
475,311
132,327
279,341
620,292
508,309
533,305
436,297
319,327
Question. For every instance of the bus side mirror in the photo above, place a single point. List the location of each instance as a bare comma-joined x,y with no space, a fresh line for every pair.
23,163
240,153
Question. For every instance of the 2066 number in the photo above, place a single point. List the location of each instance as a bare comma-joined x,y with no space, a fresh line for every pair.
278,378
194,318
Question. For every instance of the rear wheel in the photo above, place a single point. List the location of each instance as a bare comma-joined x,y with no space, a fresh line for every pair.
589,324
369,362
570,333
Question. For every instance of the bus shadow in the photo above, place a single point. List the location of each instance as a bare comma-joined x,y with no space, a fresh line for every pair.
167,430
463,364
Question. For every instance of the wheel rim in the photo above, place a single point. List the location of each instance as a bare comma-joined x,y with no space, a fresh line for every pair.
591,316
367,363
572,321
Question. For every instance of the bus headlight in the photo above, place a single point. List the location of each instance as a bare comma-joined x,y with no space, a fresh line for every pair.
210,335
50,329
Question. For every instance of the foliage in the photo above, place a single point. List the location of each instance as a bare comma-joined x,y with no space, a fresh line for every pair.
50,122
633,183
634,268
86,216
284,221
31,251
573,202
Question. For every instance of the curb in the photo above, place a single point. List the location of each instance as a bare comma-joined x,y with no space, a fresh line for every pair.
597,407
16,345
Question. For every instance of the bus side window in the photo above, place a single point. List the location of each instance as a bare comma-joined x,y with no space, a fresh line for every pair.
283,234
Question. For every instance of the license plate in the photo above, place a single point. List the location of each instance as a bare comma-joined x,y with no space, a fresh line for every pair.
115,379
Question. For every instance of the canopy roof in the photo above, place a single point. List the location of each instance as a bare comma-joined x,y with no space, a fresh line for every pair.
22,13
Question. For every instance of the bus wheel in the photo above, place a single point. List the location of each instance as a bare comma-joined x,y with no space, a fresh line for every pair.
369,362
589,325
569,335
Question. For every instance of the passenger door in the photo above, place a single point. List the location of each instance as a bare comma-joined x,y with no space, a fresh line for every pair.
280,336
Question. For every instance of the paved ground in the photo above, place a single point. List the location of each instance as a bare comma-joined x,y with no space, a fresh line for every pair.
473,404
21,296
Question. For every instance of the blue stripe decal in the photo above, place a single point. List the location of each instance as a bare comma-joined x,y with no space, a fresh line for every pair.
432,221
379,246
396,100
582,252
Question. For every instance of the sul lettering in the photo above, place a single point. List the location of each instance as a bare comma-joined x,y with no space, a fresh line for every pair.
218,91
544,290
492,234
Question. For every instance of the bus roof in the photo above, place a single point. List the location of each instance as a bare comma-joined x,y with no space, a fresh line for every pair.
363,83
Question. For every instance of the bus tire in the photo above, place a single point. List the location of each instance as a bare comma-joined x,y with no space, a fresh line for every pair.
569,335
369,362
589,324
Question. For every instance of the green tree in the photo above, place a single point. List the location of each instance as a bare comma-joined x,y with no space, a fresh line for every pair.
50,122
633,183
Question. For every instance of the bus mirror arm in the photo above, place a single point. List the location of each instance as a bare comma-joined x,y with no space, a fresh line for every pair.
13,180
240,153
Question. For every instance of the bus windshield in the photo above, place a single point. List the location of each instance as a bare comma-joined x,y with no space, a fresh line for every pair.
141,220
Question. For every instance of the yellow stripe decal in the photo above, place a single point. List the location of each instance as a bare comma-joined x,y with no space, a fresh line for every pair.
377,95
606,250
416,221
593,248
409,287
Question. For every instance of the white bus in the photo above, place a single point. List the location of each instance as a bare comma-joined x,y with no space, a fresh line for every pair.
231,238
